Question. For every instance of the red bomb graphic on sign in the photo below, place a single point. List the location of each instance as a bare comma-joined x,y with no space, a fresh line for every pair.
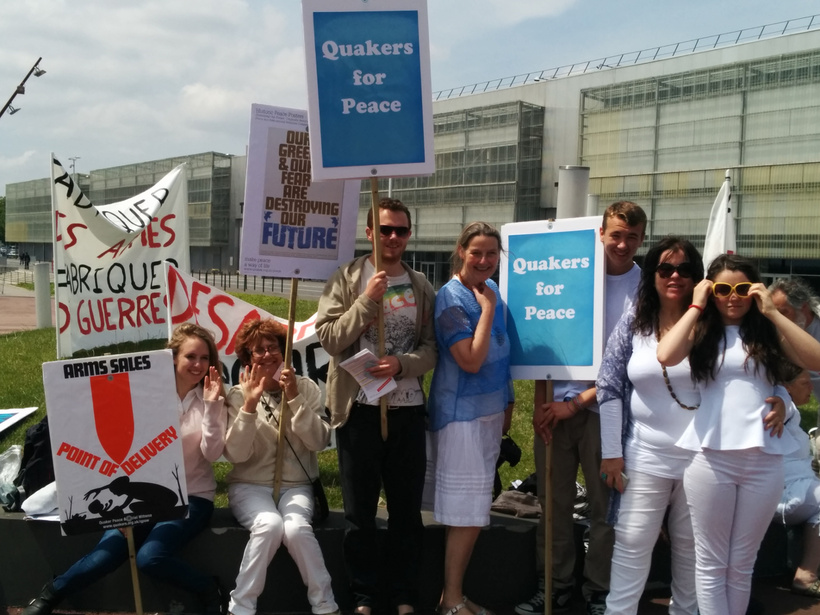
113,414
115,439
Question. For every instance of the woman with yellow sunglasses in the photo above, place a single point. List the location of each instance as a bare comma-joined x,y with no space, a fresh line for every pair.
738,346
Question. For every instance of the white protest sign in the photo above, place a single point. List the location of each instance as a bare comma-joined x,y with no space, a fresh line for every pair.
114,427
109,281
369,95
292,227
190,300
552,281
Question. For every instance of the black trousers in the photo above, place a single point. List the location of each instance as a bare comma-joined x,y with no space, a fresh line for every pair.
366,463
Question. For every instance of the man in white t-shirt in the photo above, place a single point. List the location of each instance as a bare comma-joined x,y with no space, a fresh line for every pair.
574,427
346,324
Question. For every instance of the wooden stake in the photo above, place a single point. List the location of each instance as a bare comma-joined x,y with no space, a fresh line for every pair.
283,414
377,264
132,558
547,483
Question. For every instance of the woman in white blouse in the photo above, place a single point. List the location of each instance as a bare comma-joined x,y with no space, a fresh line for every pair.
738,346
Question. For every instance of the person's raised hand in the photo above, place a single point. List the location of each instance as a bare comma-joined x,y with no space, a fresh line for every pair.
212,385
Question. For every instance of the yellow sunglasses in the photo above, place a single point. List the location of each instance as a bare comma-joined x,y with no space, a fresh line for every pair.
723,289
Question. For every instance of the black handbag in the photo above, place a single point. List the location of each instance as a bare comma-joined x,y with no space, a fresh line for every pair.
321,510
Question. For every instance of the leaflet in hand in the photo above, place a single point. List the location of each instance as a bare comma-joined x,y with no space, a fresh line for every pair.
357,366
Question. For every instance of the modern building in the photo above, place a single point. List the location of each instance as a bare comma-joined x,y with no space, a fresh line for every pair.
659,127
216,187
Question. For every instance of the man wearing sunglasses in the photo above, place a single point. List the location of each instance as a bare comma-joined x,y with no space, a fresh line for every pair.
346,323
797,301
573,425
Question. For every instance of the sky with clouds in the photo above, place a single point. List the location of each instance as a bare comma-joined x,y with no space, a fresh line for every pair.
128,82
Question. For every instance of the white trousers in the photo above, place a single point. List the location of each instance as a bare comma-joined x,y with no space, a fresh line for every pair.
732,497
643,506
254,508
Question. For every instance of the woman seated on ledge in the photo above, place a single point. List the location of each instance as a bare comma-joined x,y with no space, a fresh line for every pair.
202,422
800,503
251,445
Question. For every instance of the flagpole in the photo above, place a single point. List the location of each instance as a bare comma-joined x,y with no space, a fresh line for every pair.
546,485
377,264
720,231
54,223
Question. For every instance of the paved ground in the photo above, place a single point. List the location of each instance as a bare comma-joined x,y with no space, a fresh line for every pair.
771,595
17,313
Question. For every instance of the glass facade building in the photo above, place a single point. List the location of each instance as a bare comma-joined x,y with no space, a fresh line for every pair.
661,132
666,141
488,167
28,204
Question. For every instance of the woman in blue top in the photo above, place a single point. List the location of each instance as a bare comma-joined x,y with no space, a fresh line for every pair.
470,403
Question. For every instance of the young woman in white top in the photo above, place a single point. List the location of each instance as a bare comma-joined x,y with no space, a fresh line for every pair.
738,346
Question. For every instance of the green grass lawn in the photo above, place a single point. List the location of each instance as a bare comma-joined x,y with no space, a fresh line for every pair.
30,286
22,355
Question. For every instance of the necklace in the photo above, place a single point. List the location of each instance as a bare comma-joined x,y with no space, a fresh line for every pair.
672,393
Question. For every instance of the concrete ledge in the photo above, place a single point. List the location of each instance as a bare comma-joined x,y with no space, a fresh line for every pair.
501,573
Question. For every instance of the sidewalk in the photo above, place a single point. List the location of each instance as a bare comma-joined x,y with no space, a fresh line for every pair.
17,309
770,594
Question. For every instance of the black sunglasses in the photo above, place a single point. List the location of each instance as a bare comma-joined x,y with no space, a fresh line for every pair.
665,270
386,230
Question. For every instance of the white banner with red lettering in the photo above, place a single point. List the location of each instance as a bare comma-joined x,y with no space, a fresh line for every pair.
109,281
190,300
114,427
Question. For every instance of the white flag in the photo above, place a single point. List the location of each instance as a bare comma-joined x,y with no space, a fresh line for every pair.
720,234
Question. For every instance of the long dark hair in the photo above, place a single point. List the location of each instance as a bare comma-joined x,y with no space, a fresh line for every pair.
648,305
759,335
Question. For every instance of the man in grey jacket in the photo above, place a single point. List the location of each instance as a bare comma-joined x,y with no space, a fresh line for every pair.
345,324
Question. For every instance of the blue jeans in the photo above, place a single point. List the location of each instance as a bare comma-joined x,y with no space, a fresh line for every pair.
157,546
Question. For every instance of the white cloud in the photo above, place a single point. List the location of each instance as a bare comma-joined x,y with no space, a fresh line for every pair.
465,19
136,81
17,161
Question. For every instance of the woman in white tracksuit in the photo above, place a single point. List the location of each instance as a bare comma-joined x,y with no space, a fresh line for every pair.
738,346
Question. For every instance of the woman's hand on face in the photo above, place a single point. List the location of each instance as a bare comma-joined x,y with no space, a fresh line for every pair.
287,381
773,422
212,386
485,296
701,293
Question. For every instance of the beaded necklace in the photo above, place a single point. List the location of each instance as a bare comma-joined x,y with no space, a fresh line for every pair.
672,393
